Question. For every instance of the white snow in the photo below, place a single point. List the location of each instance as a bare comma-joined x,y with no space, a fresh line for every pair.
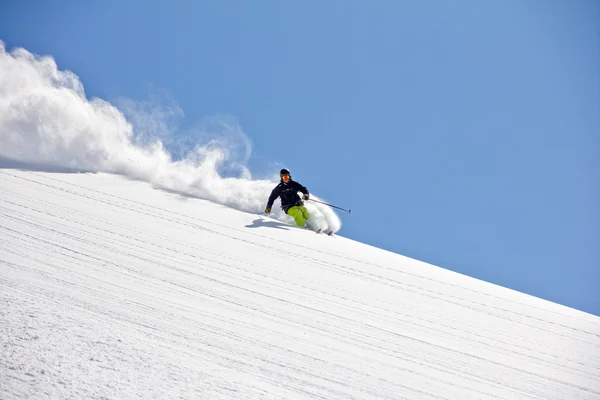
112,289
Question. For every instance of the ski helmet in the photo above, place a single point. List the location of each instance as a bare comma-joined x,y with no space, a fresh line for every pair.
284,171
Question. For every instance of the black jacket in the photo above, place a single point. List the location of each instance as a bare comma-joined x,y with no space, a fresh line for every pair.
288,193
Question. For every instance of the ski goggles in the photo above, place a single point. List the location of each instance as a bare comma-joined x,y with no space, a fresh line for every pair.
285,177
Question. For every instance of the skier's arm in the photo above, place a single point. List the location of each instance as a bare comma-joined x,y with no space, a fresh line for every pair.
272,197
303,190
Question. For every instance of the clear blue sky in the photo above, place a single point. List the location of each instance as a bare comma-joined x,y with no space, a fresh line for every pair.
465,134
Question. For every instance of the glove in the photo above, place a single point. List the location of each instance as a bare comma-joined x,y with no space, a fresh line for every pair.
268,210
305,197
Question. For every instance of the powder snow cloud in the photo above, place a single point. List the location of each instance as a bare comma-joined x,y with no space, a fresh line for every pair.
46,119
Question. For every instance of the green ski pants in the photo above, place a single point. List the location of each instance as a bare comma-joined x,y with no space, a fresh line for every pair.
300,214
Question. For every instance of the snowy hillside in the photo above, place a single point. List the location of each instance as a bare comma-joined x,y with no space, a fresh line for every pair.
110,289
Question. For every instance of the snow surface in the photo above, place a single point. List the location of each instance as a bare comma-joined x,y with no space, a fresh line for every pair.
112,289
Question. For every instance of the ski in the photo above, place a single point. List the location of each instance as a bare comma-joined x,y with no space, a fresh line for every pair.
328,233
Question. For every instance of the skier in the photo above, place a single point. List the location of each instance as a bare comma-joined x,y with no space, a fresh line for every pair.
291,203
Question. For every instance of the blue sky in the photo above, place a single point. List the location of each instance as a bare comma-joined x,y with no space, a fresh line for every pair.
465,134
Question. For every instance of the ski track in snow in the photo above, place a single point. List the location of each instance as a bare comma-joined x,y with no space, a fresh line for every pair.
110,289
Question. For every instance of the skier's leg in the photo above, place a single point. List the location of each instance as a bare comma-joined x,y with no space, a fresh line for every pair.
309,222
305,213
296,213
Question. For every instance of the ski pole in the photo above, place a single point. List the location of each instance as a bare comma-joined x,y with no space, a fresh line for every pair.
331,205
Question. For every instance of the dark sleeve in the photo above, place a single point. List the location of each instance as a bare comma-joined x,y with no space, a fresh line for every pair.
301,188
273,196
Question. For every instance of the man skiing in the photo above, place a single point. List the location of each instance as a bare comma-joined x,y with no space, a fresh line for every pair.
291,203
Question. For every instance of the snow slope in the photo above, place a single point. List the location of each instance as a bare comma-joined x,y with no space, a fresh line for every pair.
110,289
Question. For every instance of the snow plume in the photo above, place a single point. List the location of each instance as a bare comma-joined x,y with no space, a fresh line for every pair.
46,120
